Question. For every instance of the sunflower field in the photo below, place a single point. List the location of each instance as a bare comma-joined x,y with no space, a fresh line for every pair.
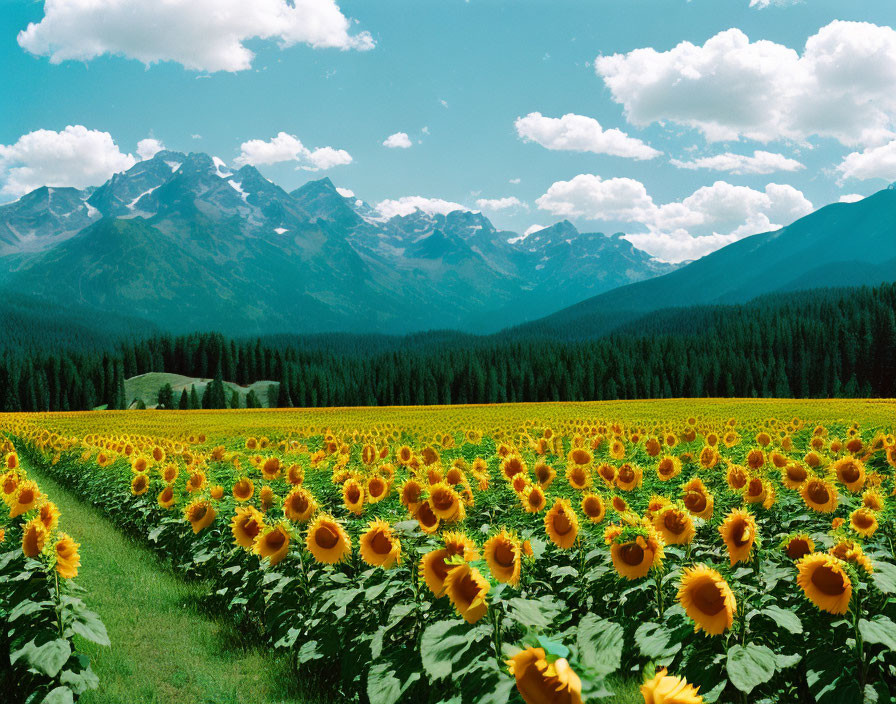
695,551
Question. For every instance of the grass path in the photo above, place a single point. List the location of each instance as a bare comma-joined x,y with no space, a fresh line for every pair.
164,648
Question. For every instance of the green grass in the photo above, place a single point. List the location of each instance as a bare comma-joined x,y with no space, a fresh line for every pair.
146,387
164,647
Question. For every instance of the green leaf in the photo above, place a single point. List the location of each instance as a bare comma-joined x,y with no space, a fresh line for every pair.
442,645
47,658
655,641
749,666
532,613
59,695
600,644
879,630
385,685
88,625
884,577
785,618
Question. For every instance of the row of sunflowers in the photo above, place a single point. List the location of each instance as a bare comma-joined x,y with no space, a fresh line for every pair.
39,614
728,556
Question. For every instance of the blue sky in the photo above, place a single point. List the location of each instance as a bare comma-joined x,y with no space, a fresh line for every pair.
455,77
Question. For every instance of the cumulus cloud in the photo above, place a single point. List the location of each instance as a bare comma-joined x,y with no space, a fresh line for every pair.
202,35
287,147
407,205
345,192
874,162
762,4
499,203
148,148
579,133
76,156
760,163
399,140
706,220
851,198
728,88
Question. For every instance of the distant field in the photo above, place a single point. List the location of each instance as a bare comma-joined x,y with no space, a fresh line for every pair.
146,387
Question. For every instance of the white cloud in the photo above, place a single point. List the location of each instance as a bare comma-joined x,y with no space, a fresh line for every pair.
874,162
579,133
76,156
762,4
840,86
406,205
760,163
709,218
851,198
287,147
345,192
499,203
514,180
202,35
399,140
148,148
533,228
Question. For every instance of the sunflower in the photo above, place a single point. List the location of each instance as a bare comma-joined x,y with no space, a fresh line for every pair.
467,589
619,504
850,551
272,543
873,499
534,499
850,472
67,558
404,455
512,465
798,545
139,484
635,551
593,507
446,503
709,457
166,497
607,472
653,447
669,689
541,682
502,552
736,476
675,525
299,505
200,513
379,546
544,474
707,599
49,515
353,496
271,468
863,521
794,475
377,489
617,449
580,456
34,537
27,497
411,492
579,476
327,540
629,477
8,484
738,530
433,569
429,521
825,582
697,499
668,467
245,526
656,504
759,490
217,492
519,483
562,524
819,495
295,475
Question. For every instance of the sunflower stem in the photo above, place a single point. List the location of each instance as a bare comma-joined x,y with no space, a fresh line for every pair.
860,643
58,604
658,581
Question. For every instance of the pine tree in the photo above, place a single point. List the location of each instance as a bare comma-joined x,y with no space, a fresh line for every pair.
184,403
194,398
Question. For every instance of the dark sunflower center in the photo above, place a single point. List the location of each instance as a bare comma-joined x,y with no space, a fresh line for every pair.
818,493
626,474
708,598
504,555
740,534
632,554
849,473
674,522
468,589
326,537
796,473
299,503
695,502
796,548
592,507
381,544
275,539
562,525
828,581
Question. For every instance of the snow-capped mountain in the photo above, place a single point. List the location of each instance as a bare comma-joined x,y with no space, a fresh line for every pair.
187,242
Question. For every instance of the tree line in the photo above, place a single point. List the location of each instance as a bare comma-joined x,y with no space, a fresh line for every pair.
812,344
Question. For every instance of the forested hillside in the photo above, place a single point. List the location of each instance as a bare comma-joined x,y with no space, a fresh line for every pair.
810,344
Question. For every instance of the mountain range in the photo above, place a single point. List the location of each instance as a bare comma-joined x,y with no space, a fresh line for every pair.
185,243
